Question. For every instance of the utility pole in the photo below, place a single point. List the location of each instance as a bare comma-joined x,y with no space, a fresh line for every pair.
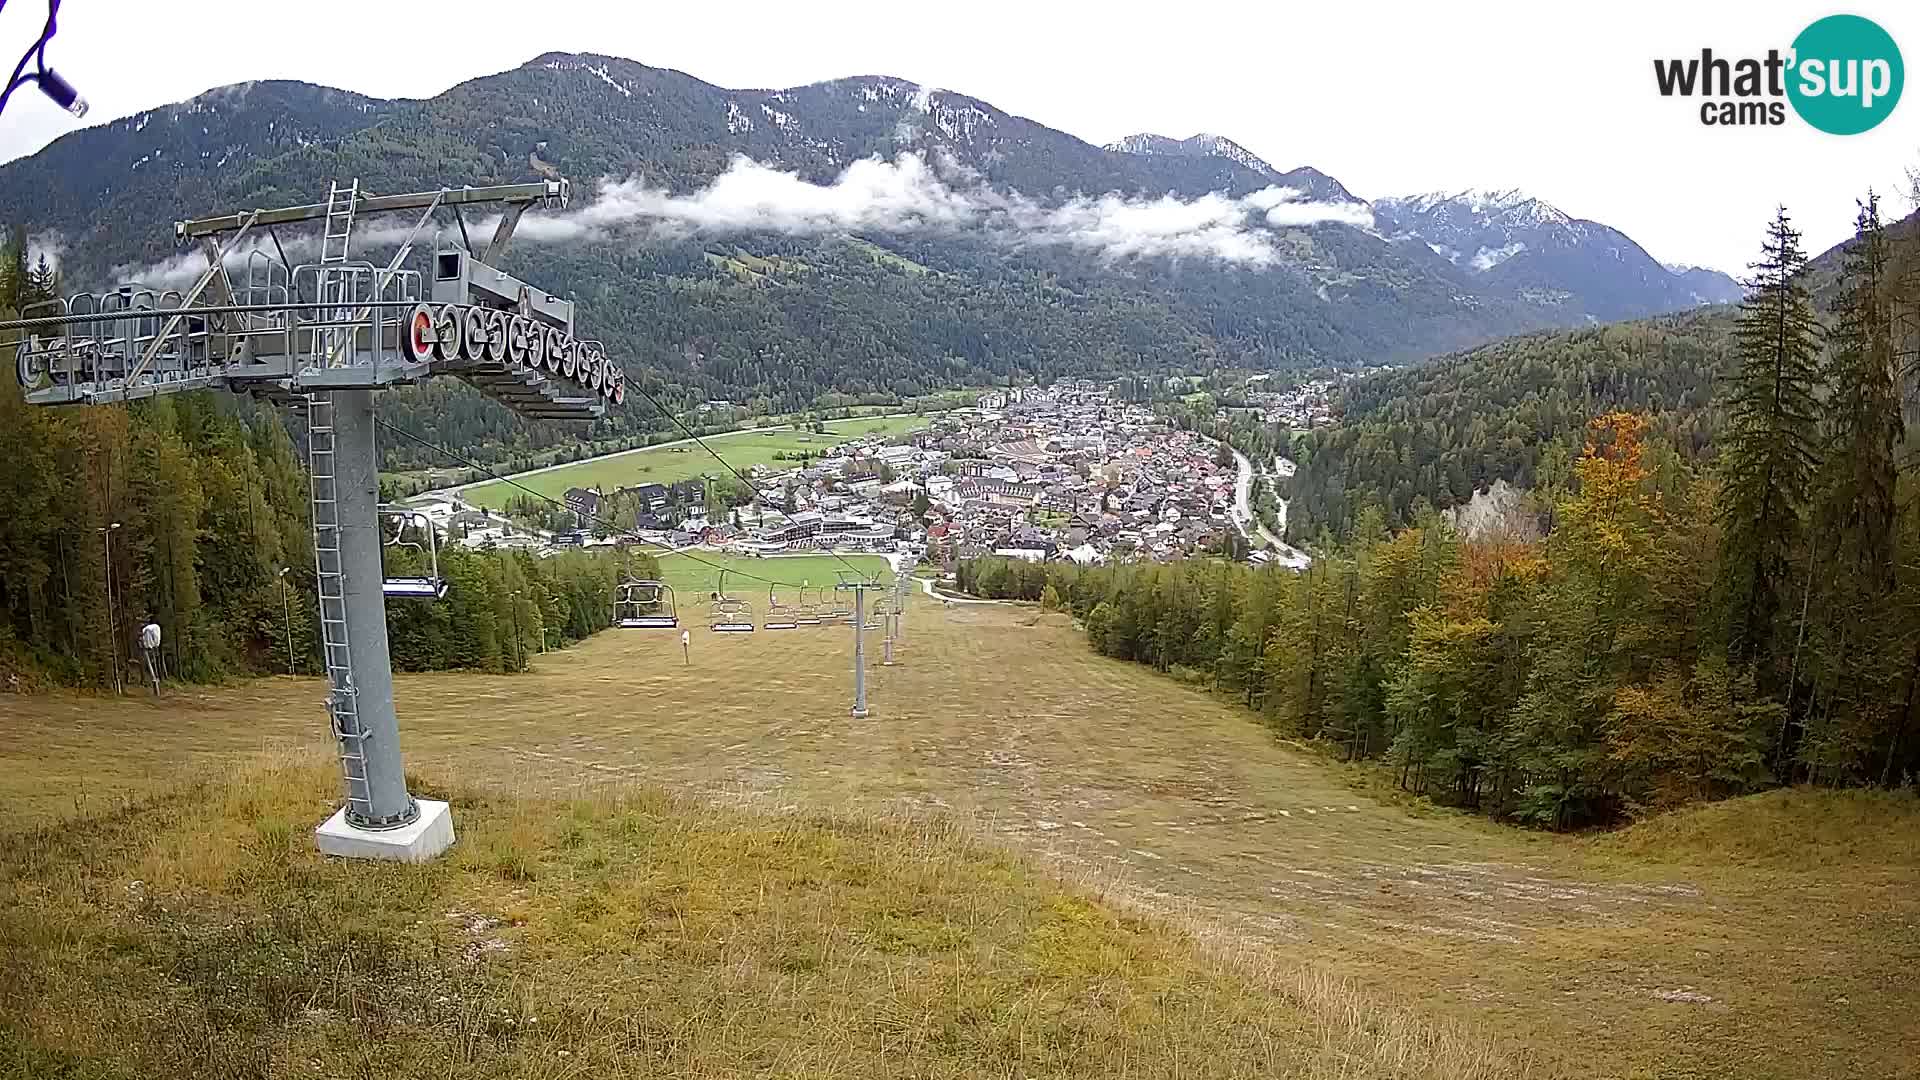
113,628
286,614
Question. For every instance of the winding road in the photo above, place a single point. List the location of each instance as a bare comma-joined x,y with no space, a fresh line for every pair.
1251,526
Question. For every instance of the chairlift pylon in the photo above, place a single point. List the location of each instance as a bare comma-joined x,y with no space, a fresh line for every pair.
645,605
429,586
729,614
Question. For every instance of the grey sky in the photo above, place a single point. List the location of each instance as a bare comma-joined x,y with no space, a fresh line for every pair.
1390,98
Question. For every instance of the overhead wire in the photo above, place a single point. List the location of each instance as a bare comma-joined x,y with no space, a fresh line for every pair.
611,527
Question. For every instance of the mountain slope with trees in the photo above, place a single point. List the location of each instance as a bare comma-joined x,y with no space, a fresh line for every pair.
1513,410
768,317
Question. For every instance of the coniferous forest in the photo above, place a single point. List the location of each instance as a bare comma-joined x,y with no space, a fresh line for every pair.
186,510
1654,625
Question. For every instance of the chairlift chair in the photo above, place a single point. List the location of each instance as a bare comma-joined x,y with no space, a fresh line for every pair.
729,614
779,616
428,586
645,605
807,612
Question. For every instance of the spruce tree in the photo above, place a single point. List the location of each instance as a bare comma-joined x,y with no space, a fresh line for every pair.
1770,449
1855,516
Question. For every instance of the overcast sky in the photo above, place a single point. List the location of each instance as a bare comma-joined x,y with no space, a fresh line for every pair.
1390,98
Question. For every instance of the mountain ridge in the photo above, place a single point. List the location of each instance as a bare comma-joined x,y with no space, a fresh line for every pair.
1066,258
1488,227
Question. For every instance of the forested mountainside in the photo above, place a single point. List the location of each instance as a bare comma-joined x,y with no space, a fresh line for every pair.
192,511
1506,411
866,236
1648,627
1514,409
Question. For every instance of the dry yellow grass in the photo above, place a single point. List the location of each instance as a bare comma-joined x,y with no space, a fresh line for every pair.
1647,954
629,935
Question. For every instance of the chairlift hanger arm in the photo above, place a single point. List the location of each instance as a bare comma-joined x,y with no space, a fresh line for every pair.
512,194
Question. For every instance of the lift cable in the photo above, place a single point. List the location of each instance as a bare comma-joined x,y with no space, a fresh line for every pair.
751,486
615,529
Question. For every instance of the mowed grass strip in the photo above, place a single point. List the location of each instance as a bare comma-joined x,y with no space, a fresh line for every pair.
669,464
627,934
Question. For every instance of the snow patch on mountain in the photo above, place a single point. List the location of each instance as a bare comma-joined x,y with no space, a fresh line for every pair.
1511,207
1201,145
601,71
1492,225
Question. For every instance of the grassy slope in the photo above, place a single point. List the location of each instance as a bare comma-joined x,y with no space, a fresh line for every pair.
199,934
1794,913
666,465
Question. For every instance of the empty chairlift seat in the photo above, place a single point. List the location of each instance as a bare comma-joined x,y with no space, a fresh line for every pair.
428,585
807,611
645,605
779,616
729,614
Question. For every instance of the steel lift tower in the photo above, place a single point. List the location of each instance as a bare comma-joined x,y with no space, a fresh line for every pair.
321,338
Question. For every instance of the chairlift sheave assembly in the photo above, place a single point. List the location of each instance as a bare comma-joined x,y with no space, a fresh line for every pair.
645,605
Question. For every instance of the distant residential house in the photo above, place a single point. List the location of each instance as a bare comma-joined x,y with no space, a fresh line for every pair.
652,496
584,502
1084,555
1025,554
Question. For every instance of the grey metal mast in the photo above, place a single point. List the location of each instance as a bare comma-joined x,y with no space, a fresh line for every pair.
323,338
353,608
859,590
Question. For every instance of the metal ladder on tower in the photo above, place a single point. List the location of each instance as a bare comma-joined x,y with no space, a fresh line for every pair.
330,583
336,280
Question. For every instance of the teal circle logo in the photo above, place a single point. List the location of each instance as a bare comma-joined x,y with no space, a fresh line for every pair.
1846,75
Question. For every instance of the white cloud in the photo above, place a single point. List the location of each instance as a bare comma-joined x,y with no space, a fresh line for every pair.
907,194
871,194
1289,206
1115,227
48,245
